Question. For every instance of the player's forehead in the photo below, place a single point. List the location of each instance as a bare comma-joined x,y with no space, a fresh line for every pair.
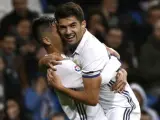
68,21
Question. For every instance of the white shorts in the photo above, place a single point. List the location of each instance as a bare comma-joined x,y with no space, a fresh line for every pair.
120,113
99,115
92,113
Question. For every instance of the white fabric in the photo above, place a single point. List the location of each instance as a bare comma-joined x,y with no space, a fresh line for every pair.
71,77
90,55
109,71
70,74
120,113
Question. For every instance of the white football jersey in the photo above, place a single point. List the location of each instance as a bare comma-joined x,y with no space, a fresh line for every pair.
94,61
71,77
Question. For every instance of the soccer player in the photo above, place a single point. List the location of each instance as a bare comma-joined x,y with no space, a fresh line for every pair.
45,33
91,56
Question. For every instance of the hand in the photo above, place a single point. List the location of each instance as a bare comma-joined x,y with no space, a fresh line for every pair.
53,79
113,52
51,60
121,81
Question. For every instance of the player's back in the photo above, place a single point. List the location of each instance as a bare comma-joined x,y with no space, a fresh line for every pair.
71,77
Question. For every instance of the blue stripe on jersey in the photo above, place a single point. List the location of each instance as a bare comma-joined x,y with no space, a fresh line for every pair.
127,114
110,83
124,115
90,72
130,101
93,76
81,109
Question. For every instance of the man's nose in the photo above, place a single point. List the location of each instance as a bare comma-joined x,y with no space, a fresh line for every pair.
68,31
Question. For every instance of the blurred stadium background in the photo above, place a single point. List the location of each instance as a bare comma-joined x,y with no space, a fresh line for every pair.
132,27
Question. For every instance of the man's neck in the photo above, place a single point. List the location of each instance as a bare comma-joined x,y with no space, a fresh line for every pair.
72,48
51,50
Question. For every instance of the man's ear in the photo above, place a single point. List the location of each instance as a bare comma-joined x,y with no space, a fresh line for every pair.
46,41
54,27
83,24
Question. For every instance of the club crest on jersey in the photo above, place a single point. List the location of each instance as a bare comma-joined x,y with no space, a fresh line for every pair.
77,68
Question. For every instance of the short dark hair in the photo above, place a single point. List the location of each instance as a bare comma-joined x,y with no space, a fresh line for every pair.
69,9
44,21
152,8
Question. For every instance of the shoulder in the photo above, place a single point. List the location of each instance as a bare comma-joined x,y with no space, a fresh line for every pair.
93,43
94,47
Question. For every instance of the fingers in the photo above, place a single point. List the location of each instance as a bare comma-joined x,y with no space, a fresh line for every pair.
52,67
53,63
119,87
121,81
53,74
119,75
124,72
53,59
49,75
56,56
122,75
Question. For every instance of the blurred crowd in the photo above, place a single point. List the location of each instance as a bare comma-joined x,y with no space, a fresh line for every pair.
131,27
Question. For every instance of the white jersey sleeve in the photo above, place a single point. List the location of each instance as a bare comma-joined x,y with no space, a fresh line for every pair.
110,70
93,59
70,74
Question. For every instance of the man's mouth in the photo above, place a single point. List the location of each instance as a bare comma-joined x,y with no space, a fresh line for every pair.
69,37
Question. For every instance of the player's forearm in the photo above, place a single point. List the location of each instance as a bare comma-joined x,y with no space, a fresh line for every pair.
81,96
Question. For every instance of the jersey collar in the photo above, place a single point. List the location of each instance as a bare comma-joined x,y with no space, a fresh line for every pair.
82,43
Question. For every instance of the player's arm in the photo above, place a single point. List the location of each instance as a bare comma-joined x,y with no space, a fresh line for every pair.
90,94
113,52
50,60
121,78
91,67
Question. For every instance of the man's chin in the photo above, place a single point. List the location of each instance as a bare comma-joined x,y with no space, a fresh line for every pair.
71,42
